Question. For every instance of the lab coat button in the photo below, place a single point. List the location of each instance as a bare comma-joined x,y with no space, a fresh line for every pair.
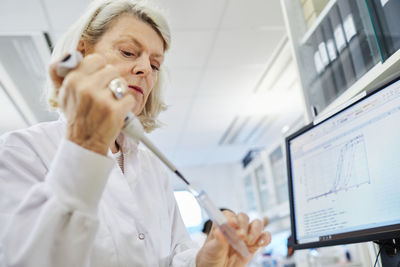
141,236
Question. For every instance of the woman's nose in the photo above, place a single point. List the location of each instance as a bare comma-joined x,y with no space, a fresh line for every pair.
142,66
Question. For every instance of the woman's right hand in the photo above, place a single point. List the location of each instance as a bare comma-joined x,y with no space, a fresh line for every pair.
94,116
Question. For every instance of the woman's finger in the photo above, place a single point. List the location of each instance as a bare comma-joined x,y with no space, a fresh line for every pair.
91,63
265,221
127,102
57,81
232,218
243,220
264,239
105,75
254,231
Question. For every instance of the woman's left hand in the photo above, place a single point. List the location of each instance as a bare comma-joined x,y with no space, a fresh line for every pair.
216,251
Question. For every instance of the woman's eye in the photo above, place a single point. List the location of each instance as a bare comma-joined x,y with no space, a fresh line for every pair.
126,53
154,67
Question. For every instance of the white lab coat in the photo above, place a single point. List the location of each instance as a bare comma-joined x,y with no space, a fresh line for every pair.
63,205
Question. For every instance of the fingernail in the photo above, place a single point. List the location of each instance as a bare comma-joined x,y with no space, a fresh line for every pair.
66,58
261,242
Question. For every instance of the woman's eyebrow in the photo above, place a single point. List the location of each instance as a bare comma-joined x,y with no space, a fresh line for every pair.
133,39
140,45
158,57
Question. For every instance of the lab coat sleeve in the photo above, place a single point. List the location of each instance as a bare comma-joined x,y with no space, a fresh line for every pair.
48,213
184,249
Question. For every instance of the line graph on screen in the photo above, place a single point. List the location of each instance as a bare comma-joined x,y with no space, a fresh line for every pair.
344,167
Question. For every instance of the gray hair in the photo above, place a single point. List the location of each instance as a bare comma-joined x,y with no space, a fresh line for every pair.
91,26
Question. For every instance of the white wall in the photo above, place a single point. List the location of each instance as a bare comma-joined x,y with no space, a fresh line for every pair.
222,182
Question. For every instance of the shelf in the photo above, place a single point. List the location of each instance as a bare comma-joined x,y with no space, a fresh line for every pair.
332,64
317,22
370,80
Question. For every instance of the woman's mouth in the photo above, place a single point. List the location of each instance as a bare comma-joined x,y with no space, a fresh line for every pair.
136,89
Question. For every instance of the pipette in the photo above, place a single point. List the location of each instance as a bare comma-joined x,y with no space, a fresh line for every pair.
134,129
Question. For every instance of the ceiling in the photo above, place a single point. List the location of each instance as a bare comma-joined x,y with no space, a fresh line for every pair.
223,51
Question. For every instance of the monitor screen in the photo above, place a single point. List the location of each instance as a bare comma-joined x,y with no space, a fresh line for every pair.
344,173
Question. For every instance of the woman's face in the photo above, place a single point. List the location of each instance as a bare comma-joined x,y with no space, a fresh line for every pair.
137,51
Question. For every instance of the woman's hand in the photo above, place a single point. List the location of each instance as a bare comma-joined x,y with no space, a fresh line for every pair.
216,251
94,116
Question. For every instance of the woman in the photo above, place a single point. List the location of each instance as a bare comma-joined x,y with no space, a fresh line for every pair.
76,192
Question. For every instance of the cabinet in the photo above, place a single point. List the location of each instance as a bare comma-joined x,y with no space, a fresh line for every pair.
258,185
350,46
265,184
265,181
386,20
279,173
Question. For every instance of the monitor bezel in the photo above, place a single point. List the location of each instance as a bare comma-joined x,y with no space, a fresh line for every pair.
378,233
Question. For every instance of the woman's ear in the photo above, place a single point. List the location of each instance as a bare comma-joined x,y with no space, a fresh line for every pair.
83,47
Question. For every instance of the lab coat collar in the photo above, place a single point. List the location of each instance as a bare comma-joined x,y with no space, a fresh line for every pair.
127,145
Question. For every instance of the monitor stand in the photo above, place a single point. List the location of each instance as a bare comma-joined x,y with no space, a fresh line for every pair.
390,252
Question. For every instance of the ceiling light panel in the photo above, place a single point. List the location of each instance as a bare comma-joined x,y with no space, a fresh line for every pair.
62,14
193,14
216,107
244,130
182,82
253,14
227,81
22,16
244,47
189,48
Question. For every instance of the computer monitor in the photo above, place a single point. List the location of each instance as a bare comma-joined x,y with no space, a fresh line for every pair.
344,173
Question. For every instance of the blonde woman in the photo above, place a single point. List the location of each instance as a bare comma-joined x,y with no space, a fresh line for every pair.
76,192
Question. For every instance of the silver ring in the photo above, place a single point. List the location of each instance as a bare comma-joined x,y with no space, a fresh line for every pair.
118,88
